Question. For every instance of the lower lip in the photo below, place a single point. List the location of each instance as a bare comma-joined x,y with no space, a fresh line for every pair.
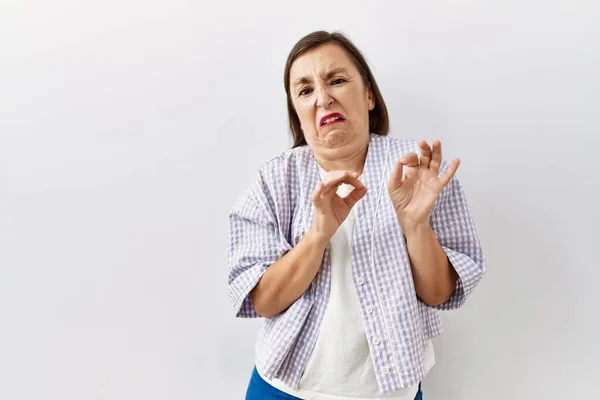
334,122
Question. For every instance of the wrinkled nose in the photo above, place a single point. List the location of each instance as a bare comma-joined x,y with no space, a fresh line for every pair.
324,100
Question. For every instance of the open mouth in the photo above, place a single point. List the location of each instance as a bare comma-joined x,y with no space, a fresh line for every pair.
331,119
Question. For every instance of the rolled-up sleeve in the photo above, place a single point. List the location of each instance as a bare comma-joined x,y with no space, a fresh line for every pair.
254,244
454,228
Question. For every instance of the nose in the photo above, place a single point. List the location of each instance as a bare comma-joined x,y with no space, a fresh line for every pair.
324,99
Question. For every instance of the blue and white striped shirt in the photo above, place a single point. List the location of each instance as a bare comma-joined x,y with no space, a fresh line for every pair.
276,211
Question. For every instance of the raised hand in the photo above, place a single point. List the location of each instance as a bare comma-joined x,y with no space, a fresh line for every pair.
331,209
414,195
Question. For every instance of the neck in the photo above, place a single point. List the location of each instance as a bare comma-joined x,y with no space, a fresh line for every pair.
355,161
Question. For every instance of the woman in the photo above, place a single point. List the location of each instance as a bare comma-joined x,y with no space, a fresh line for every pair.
348,244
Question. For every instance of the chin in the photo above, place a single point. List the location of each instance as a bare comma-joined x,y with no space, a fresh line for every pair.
335,139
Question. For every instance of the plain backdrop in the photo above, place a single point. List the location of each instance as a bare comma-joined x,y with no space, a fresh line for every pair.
129,128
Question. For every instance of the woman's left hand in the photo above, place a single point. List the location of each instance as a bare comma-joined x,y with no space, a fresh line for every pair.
414,195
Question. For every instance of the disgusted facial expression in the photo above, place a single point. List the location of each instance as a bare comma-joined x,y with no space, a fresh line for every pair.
332,101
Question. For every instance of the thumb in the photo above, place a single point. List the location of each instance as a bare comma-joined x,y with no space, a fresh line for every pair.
396,178
355,196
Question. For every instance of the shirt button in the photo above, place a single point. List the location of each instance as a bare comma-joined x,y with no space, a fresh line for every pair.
369,310
360,281
376,340
385,370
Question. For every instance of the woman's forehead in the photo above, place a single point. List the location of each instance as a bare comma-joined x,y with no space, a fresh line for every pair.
320,61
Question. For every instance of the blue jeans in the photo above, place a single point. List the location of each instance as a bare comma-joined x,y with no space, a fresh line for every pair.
259,389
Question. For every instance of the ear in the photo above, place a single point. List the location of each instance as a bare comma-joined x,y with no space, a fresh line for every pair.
370,98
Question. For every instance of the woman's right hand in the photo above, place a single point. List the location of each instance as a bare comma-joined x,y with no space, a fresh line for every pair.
330,209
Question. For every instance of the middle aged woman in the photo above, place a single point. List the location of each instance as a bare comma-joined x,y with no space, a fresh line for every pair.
349,243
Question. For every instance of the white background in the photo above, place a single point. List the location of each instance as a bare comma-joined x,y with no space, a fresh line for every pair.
129,128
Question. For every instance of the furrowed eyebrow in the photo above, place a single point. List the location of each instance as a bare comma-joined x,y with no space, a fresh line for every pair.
302,81
326,76
335,71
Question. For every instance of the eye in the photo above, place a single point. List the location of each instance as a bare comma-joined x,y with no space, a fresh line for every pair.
305,92
338,81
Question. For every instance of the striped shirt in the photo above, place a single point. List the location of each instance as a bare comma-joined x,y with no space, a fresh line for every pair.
275,212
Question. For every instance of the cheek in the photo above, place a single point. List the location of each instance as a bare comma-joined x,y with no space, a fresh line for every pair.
357,100
360,108
305,116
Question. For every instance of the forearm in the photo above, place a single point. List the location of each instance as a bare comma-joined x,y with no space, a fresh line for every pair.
289,277
433,273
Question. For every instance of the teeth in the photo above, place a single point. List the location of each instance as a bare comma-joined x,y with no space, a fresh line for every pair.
328,120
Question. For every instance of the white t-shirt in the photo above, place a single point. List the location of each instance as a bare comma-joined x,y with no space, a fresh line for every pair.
340,366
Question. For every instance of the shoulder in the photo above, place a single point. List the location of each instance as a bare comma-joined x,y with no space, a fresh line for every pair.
397,146
280,176
277,179
404,145
288,162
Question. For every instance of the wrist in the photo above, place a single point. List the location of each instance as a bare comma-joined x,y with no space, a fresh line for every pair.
316,238
412,228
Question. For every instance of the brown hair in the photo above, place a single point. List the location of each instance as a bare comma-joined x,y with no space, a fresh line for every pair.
379,122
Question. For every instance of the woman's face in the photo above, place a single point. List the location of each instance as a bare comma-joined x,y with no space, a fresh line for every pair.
331,100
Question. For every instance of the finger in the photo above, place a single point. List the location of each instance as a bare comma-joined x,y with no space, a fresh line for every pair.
328,191
321,191
410,160
436,157
336,178
317,193
396,178
425,153
341,175
355,196
450,171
